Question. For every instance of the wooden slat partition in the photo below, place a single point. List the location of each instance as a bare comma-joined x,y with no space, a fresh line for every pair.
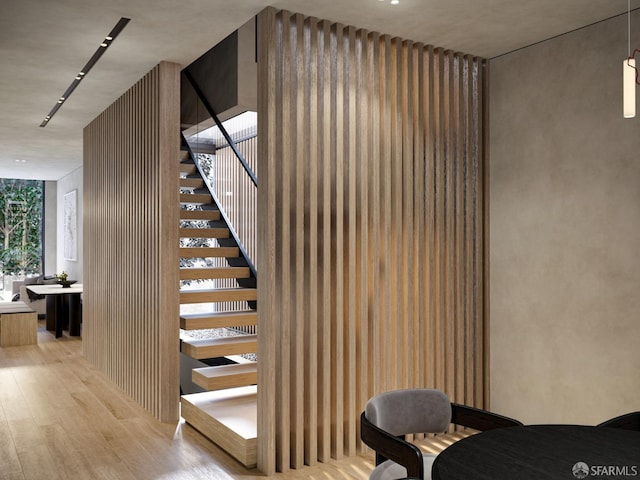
370,219
228,176
131,302
241,204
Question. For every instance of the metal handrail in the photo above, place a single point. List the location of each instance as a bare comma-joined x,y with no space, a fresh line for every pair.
224,132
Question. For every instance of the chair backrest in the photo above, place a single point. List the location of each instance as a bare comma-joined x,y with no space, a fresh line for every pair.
628,421
15,286
418,410
479,419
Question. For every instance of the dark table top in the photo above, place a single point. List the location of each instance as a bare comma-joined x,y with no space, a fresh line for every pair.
541,452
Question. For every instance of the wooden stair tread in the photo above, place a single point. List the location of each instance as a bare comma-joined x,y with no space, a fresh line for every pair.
225,376
218,295
188,182
197,321
204,342
226,370
188,168
200,348
228,418
209,252
187,273
196,198
199,214
204,233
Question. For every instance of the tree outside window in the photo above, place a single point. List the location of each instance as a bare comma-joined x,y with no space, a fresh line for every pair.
21,207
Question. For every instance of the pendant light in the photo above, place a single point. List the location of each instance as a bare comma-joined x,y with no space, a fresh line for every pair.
629,74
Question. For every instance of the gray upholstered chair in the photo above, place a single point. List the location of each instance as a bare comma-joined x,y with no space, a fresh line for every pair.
32,300
628,421
389,416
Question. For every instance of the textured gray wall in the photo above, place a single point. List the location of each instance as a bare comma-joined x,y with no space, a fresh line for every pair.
565,230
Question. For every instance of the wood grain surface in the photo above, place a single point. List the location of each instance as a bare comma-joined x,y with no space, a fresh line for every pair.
63,418
370,218
131,275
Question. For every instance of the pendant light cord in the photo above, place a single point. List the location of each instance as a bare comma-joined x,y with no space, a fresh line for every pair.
631,55
635,68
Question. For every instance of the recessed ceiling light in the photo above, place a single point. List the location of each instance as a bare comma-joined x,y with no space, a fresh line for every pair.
20,160
92,61
395,2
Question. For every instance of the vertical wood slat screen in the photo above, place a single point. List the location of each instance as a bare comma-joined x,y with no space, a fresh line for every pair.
370,218
131,302
241,207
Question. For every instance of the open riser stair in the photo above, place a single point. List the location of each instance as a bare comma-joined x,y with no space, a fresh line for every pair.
224,408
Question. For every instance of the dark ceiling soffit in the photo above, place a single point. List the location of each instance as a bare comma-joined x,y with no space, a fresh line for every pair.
92,61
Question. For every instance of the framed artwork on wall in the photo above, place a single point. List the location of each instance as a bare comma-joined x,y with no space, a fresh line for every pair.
70,225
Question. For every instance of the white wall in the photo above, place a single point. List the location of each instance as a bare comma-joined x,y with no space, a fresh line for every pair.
72,181
565,230
50,228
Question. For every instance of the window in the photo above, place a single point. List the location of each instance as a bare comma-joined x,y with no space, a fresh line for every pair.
21,209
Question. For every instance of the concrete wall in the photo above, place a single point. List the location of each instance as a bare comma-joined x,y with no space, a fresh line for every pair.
72,181
565,230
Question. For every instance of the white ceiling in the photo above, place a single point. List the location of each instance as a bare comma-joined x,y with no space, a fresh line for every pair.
44,44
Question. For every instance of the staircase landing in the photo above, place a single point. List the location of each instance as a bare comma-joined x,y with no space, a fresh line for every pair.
228,418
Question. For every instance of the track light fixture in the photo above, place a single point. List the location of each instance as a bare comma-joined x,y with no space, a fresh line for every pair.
96,56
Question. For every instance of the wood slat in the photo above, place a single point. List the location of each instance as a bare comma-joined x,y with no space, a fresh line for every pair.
131,270
267,69
370,220
312,305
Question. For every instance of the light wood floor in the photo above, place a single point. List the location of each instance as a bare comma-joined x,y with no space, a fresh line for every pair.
60,418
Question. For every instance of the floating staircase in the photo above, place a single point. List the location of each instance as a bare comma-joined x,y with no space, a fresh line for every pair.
226,411
229,417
